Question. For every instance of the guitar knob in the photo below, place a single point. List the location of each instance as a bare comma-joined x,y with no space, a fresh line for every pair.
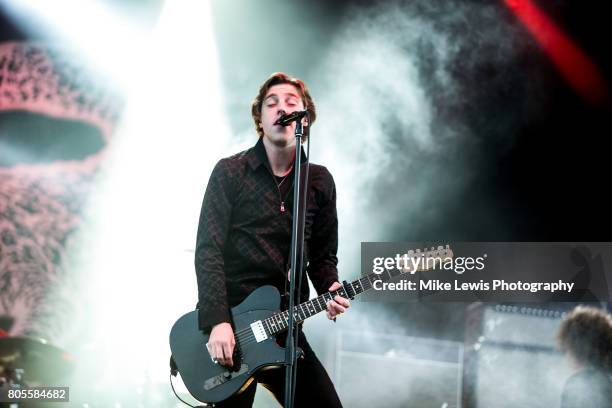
227,375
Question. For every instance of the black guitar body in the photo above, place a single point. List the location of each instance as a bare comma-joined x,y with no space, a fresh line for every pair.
209,382
256,321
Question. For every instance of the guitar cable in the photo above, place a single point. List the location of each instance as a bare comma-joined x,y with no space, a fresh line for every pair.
182,400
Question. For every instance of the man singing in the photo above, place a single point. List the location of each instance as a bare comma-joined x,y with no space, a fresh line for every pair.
244,239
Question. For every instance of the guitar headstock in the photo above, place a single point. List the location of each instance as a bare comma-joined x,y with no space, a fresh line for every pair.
428,259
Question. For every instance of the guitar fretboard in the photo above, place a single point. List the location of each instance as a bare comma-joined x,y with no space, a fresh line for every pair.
280,321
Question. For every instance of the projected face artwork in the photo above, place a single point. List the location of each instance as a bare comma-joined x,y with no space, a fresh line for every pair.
55,125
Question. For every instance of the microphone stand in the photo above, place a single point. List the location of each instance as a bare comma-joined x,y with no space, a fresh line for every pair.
295,274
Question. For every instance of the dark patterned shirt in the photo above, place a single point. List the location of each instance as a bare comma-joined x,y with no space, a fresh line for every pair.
244,237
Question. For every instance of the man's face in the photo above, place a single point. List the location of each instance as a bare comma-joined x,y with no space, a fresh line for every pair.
280,99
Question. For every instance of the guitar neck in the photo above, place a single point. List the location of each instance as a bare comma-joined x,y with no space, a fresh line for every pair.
280,321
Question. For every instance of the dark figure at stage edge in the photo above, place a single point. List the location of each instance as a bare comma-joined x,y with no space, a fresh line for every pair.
244,238
585,336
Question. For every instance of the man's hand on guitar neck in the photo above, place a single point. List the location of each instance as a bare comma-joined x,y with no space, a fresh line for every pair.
338,305
221,344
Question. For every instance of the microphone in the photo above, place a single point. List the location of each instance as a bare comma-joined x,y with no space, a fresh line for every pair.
287,118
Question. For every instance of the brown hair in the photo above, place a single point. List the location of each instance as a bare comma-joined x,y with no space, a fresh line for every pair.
586,333
278,78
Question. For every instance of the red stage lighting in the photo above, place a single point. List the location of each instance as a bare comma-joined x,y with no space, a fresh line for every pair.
572,62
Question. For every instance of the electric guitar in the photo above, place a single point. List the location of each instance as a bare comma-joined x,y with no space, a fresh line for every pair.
256,322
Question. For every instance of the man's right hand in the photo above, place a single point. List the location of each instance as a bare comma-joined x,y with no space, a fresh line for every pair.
221,344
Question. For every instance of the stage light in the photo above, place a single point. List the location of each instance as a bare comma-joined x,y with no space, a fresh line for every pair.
142,217
103,37
573,64
172,133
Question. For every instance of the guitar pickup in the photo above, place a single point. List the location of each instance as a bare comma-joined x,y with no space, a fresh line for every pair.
259,331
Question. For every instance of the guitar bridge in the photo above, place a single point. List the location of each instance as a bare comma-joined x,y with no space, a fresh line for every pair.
259,331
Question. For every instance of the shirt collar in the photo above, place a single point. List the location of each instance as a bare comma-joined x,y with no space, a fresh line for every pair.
257,155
